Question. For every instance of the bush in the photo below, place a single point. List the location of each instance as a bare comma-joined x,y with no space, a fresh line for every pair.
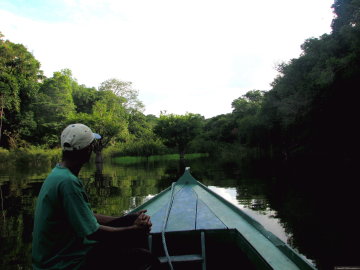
236,154
30,156
142,148
4,156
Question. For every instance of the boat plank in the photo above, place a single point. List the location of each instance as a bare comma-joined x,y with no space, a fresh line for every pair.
182,216
206,219
158,219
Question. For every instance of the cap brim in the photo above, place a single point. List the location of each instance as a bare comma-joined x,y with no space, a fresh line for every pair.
97,136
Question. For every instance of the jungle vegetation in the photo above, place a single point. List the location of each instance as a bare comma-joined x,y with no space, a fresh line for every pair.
310,109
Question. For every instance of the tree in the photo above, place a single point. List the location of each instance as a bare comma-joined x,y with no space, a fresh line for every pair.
179,130
108,118
138,126
250,103
2,105
125,90
84,98
347,14
19,83
151,120
220,129
245,115
54,105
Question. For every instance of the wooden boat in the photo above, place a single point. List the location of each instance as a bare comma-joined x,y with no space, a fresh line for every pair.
194,228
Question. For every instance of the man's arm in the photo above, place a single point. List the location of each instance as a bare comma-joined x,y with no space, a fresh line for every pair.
103,220
142,225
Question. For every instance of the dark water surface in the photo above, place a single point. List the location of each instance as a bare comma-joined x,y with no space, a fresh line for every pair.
286,210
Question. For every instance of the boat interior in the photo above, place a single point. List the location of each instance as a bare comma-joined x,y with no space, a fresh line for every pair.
208,249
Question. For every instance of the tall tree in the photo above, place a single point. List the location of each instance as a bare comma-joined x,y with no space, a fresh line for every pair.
108,118
250,103
125,90
220,129
54,106
84,98
179,130
139,126
245,114
19,83
347,14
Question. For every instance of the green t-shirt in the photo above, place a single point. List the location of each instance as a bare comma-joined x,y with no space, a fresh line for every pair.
63,219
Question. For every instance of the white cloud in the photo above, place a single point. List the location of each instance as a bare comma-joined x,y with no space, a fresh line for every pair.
183,56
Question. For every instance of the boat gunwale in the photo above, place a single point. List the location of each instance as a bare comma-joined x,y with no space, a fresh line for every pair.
156,197
277,242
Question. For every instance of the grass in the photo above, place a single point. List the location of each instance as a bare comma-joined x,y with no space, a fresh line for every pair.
31,156
36,156
133,160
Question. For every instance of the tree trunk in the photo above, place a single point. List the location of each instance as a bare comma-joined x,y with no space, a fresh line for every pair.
99,157
181,152
182,155
1,114
182,166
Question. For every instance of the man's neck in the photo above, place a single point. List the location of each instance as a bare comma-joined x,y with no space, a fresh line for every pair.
74,167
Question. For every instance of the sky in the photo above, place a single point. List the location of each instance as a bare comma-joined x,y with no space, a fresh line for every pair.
182,56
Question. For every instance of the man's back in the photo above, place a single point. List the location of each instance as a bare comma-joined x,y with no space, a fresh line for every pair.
63,219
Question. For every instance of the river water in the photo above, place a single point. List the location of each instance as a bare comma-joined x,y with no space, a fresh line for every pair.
116,188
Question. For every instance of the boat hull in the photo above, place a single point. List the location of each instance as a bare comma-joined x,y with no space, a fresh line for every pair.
188,208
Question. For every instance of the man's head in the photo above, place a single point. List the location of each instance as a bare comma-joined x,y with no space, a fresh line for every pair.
77,137
76,142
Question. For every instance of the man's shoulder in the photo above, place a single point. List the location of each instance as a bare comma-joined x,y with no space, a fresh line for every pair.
62,177
61,173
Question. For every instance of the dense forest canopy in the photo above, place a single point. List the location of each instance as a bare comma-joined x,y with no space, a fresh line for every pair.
309,109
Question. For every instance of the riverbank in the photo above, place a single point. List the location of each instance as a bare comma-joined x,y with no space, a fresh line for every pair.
168,157
30,156
36,156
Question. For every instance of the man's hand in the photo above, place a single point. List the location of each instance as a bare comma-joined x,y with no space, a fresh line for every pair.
143,222
139,212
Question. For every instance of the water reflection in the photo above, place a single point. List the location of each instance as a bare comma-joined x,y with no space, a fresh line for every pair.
257,208
114,189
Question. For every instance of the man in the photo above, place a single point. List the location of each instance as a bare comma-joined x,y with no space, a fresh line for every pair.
67,234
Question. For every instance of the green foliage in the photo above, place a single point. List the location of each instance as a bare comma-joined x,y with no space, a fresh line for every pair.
312,103
248,104
141,127
179,130
19,82
347,14
107,119
54,105
168,157
35,109
30,156
4,155
240,126
151,120
220,128
19,74
246,116
84,98
310,108
143,148
126,91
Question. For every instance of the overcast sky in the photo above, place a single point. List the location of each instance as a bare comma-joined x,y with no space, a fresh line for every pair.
183,56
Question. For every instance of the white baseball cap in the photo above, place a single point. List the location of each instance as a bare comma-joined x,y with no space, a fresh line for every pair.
77,137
